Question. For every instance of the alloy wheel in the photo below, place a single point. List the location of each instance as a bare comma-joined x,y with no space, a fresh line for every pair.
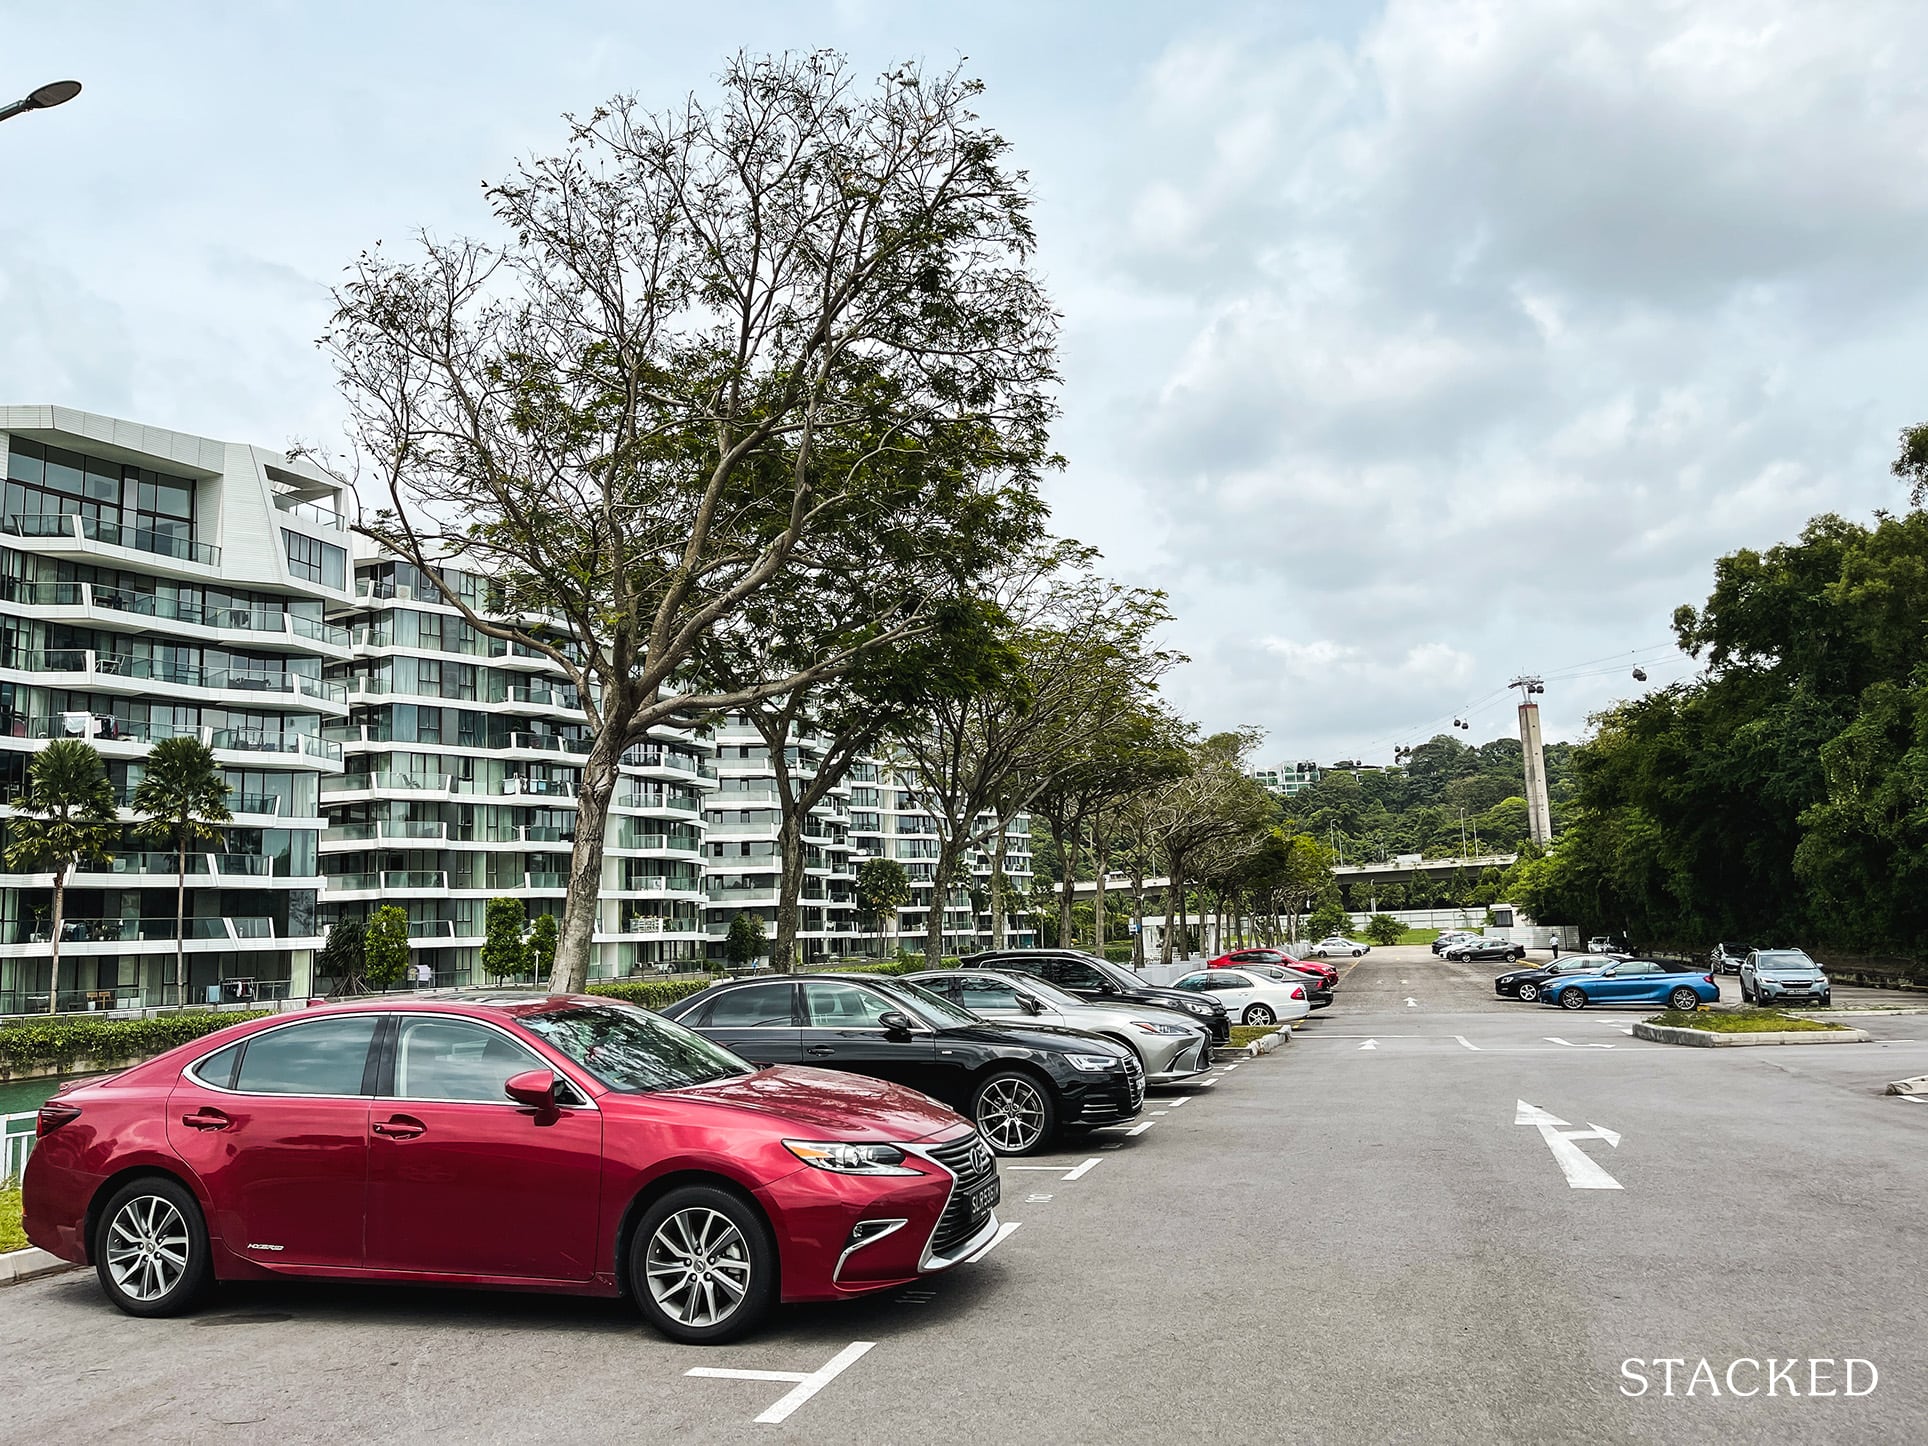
147,1247
1258,1014
1011,1113
698,1265
1529,993
1686,1001
1573,999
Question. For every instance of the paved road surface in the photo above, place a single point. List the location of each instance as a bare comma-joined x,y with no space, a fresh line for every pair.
1333,1244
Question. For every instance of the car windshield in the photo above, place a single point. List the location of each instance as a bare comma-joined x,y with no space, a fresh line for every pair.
933,1009
632,1050
1123,978
1783,959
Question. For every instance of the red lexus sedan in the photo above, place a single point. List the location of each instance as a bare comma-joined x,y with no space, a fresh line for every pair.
553,1143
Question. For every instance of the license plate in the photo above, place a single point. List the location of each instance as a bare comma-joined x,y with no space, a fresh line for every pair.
980,1200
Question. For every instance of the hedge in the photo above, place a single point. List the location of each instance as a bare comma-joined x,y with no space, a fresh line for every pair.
61,1041
650,993
1118,953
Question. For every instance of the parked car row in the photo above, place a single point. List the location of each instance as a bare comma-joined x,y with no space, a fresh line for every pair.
1464,944
1578,980
787,1138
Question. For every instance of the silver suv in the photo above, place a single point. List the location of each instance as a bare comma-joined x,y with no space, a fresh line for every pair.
1783,976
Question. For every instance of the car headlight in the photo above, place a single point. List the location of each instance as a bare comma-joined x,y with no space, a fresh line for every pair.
846,1157
1092,1062
1151,1028
1198,1006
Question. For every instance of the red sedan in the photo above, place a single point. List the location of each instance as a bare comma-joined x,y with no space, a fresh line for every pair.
556,1143
1317,968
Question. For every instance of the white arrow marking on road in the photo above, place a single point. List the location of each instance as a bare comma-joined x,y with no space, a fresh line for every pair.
1411,1003
1370,1044
1579,1168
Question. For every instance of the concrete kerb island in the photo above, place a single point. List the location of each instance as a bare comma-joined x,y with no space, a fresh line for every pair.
30,1264
1918,1085
1710,1039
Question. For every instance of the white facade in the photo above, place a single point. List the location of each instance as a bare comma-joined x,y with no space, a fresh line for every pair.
155,584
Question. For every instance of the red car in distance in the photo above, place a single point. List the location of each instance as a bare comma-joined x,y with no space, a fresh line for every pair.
550,1143
1317,968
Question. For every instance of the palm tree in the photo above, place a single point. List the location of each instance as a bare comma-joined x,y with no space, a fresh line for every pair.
66,816
182,799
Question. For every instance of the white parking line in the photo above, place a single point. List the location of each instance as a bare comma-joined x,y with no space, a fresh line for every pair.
1176,1103
807,1384
1230,1067
1140,1129
1465,1041
1085,1169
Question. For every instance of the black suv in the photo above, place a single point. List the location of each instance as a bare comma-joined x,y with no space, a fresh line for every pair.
1093,978
1021,1083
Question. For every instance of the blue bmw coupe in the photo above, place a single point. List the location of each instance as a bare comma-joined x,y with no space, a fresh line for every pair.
1634,981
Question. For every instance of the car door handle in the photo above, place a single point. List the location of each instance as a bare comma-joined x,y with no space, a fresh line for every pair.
821,1049
206,1119
401,1127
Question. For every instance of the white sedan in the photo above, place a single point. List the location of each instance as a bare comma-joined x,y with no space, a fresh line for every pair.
1340,945
1250,998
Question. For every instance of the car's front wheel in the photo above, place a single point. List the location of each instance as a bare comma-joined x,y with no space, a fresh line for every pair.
1529,992
702,1265
1571,998
1747,995
1258,1014
1684,1000
1014,1113
152,1250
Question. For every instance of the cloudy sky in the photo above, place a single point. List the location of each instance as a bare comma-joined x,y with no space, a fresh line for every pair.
1409,346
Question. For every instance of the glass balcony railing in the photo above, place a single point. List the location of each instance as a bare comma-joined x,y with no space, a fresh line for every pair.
161,542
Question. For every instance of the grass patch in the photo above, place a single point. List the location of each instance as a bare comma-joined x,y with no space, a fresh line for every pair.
1740,1021
12,1237
1244,1034
1419,936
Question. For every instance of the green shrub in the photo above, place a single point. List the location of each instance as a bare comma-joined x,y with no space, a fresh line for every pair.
1383,929
59,1042
1118,953
650,993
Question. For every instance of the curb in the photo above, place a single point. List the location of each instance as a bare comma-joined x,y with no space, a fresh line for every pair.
1708,1039
31,1264
1918,1085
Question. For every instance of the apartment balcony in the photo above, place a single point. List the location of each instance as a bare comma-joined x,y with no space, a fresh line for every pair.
139,935
656,803
428,882
118,738
125,673
90,604
69,534
343,835
655,756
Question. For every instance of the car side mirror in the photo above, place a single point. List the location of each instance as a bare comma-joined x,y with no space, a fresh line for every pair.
1029,1004
895,1021
535,1088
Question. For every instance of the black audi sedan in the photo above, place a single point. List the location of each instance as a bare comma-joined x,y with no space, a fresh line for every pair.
1020,1083
1527,983
1098,980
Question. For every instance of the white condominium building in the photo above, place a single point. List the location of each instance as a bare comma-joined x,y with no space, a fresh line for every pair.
155,584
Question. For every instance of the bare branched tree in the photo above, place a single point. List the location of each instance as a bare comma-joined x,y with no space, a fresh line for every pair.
780,350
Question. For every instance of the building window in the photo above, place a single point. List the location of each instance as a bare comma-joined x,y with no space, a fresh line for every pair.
315,560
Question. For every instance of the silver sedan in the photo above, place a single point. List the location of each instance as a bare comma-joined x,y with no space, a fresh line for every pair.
1169,1045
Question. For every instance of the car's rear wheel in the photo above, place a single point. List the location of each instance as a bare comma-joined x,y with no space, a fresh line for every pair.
1571,998
1684,1000
1357,952
1014,1113
1529,992
151,1252
1258,1014
702,1265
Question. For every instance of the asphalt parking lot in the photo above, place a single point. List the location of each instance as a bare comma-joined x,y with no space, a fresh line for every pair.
1393,1229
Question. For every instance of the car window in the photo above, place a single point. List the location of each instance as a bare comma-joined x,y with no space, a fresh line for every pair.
1070,974
218,1068
318,1057
632,1050
1194,981
754,1006
944,986
1049,993
456,1059
1229,979
982,994
843,1006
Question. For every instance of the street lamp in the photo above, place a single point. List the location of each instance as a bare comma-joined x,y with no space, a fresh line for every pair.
58,92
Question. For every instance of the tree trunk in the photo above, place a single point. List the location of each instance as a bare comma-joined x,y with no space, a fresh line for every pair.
941,875
1138,915
997,885
783,948
1171,888
60,910
1100,856
581,908
180,925
1067,880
